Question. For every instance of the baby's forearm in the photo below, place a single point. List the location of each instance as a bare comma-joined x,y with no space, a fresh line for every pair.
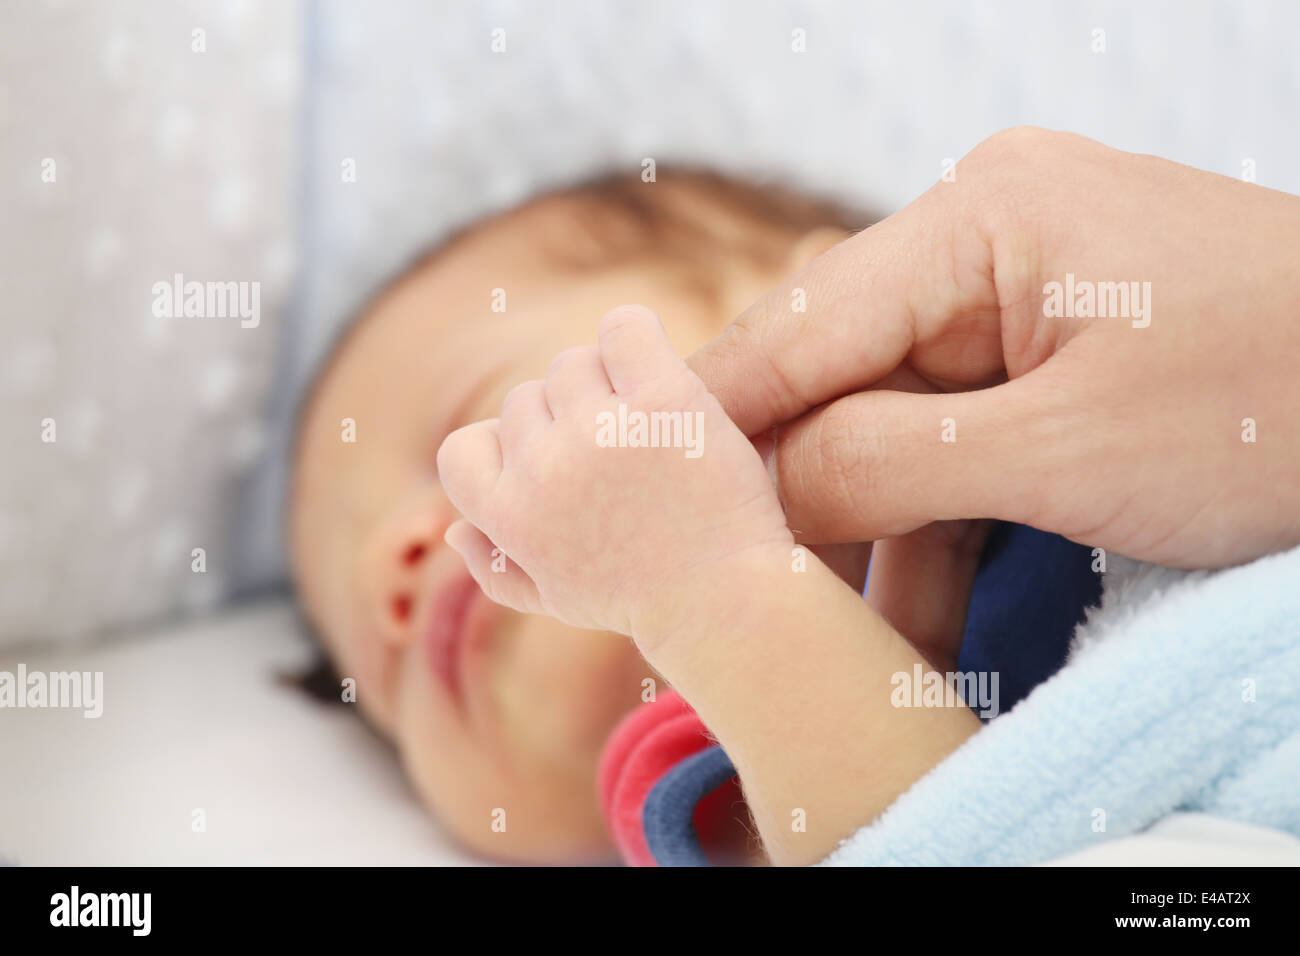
792,672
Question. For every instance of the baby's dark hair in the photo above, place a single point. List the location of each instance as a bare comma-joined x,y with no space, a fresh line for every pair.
319,680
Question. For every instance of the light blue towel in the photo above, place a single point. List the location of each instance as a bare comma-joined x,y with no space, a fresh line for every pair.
1182,692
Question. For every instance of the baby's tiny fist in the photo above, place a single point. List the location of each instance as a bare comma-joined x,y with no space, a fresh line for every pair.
615,486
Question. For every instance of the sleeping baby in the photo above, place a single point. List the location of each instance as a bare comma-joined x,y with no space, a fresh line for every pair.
516,514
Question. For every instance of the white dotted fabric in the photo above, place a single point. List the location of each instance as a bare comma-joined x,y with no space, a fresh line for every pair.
165,160
228,165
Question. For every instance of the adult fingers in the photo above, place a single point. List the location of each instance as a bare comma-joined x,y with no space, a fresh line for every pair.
854,313
921,583
878,464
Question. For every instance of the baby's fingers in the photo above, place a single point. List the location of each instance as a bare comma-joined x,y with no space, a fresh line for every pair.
500,578
635,348
469,464
524,415
576,376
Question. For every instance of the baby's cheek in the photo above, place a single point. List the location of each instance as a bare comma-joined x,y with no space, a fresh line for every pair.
566,687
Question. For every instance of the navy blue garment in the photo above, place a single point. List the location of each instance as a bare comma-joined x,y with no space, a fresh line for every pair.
1030,591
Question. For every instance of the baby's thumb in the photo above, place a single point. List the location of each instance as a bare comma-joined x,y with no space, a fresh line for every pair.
881,463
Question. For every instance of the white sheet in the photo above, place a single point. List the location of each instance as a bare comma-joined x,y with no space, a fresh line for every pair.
194,719
1193,839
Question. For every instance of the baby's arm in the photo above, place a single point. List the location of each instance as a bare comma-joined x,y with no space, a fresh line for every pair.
792,672
626,500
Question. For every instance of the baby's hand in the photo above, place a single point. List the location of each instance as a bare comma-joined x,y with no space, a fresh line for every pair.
621,493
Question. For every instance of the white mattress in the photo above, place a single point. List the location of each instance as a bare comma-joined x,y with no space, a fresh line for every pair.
194,719
1193,839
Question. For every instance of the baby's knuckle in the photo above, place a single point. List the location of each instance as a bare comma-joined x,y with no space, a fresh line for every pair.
513,396
520,398
446,454
450,451
567,358
623,316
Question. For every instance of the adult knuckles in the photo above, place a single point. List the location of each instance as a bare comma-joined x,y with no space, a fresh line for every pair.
1014,171
1024,146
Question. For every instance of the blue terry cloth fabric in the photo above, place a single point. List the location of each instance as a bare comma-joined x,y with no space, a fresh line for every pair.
1181,692
1030,592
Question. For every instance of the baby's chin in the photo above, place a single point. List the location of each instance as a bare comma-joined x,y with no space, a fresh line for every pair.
521,832
516,814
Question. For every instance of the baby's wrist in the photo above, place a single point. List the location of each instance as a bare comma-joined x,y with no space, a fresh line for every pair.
792,660
717,600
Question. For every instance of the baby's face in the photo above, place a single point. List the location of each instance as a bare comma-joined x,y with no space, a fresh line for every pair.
499,718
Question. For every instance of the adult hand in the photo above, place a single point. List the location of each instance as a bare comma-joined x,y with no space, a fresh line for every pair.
936,373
